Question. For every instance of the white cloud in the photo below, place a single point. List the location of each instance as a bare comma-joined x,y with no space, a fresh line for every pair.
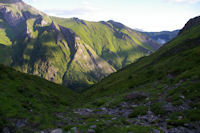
84,8
185,1
65,12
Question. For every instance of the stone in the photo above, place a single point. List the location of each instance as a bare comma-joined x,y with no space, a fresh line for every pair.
91,131
57,131
136,95
169,107
123,105
156,131
180,117
114,118
6,130
89,110
74,128
133,106
93,126
20,123
183,97
104,109
44,131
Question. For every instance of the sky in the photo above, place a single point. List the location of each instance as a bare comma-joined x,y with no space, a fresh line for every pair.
147,15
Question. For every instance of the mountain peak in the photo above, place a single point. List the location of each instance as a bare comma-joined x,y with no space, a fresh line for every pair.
10,1
192,22
116,24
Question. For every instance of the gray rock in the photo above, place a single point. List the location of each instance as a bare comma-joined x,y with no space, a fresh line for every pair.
181,130
89,110
136,95
91,131
169,107
124,105
134,105
11,19
104,109
20,123
114,118
6,130
44,131
93,126
74,129
57,131
156,131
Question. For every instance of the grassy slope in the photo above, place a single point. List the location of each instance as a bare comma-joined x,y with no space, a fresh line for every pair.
169,74
109,41
172,57
24,96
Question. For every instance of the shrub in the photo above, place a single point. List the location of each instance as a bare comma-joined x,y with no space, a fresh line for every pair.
157,109
140,110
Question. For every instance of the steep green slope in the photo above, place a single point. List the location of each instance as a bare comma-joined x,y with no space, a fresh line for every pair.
177,60
66,51
30,101
164,86
113,41
163,36
32,43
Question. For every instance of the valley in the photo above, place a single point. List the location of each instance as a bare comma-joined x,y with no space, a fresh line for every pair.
68,75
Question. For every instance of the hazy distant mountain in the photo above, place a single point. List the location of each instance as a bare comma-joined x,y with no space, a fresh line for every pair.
163,36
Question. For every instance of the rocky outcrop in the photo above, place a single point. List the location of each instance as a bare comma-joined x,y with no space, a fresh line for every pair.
117,24
11,18
79,21
192,22
88,64
54,26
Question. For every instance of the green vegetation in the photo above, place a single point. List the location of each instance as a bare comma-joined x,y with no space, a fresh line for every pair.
168,66
139,110
162,87
72,52
158,109
106,38
32,98
170,77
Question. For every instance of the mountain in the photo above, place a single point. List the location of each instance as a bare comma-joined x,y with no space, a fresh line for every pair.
72,52
157,93
163,36
160,91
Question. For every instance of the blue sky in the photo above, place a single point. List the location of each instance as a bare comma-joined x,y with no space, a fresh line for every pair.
148,15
